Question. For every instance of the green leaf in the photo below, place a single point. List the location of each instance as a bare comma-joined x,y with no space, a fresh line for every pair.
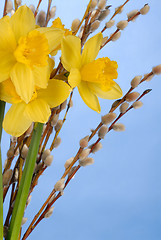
24,187
2,108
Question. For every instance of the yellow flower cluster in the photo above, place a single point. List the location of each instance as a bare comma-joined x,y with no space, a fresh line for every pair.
25,69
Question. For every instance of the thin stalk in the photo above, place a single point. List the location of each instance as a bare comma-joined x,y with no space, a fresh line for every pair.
23,190
2,109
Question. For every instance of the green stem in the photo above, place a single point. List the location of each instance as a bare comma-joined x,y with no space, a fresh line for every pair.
24,187
2,109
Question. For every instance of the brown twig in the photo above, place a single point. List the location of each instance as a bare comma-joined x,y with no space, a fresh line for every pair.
48,13
37,9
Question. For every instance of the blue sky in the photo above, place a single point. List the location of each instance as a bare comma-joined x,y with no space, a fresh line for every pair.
119,197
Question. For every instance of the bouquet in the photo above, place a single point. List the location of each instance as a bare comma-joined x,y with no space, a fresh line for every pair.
61,82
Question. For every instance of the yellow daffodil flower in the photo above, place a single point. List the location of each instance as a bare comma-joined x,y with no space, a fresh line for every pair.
57,23
20,116
24,51
94,78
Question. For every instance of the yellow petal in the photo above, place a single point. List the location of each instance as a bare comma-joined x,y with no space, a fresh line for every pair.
42,74
91,48
56,92
38,111
74,77
114,93
89,97
71,52
22,21
53,35
8,92
6,64
7,38
16,121
23,80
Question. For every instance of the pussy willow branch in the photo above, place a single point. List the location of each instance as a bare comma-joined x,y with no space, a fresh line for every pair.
31,226
37,8
117,30
48,205
5,8
118,10
48,13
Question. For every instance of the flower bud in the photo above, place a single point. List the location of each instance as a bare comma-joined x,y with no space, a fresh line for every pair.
110,24
103,14
108,118
7,177
102,131
45,154
145,9
24,151
86,162
137,104
119,9
116,36
68,162
75,25
57,142
96,147
119,127
41,18
132,96
135,81
9,6
124,107
58,125
52,12
93,5
132,14
48,160
84,153
54,120
95,25
84,142
59,186
49,212
24,220
122,24
157,70
101,4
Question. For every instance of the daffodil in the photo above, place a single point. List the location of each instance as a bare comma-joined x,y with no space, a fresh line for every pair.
24,51
21,114
94,78
57,23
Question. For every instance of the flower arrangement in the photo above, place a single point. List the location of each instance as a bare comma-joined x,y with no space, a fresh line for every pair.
43,64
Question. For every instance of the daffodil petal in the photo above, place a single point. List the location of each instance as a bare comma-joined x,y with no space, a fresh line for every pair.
89,97
7,38
16,122
41,76
53,35
6,64
71,52
56,92
22,21
91,48
38,110
114,93
74,77
8,92
23,80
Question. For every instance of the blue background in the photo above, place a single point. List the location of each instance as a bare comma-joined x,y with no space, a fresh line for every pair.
119,197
